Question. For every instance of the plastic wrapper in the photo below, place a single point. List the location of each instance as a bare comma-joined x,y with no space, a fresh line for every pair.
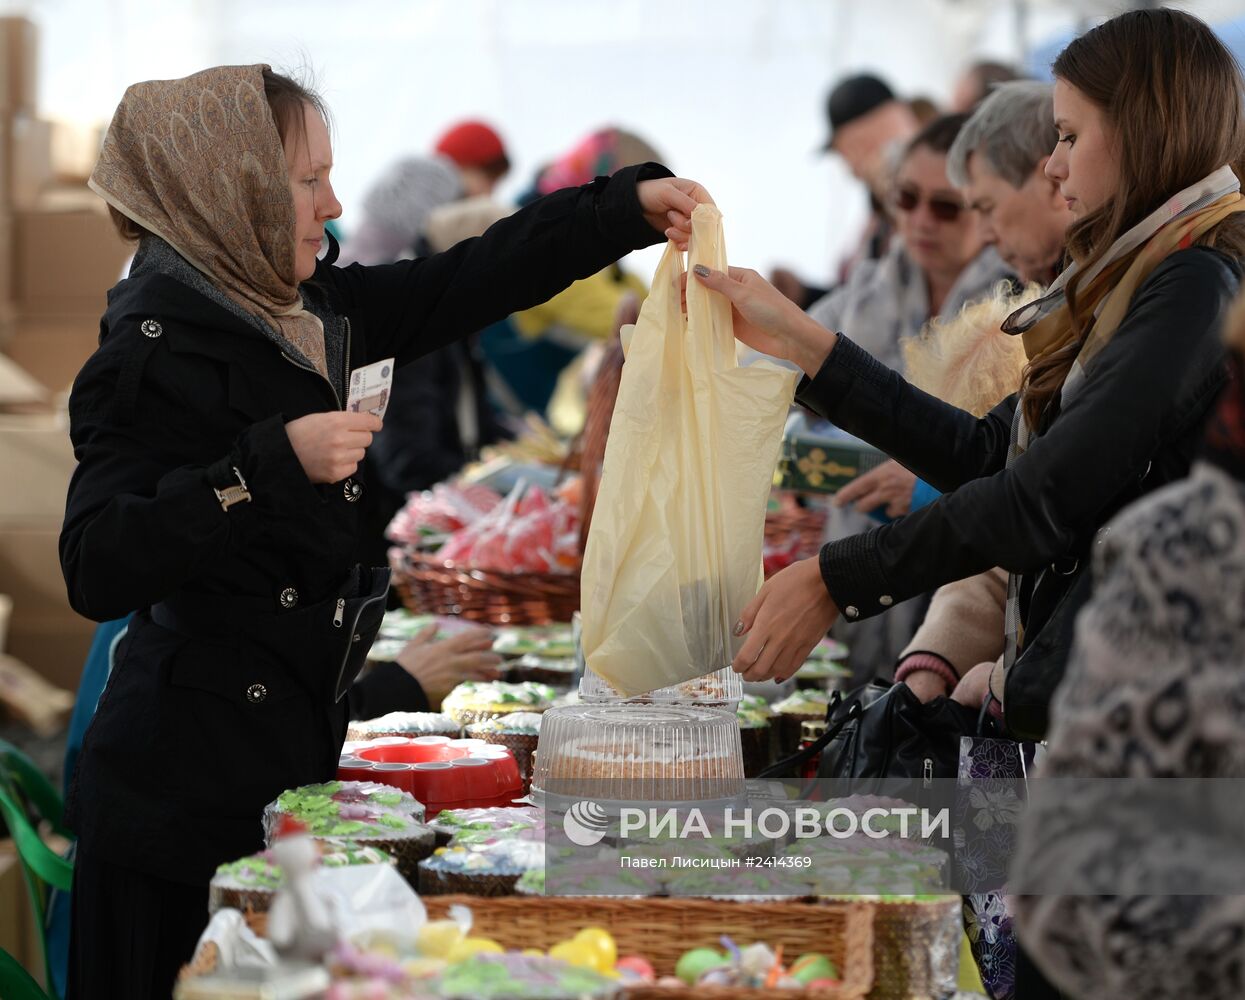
440,511
639,753
451,822
526,533
674,552
720,689
372,814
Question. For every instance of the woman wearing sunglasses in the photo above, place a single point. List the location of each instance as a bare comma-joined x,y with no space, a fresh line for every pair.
937,265
1124,361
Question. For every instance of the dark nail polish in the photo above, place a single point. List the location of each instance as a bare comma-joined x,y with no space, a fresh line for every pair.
704,273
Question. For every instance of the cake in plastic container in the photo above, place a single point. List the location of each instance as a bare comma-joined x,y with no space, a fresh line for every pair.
631,753
722,688
475,701
250,883
405,724
489,869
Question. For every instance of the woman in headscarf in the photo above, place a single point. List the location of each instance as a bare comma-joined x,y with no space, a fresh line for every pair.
216,491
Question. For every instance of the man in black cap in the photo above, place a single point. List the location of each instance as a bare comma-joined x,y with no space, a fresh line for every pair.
868,124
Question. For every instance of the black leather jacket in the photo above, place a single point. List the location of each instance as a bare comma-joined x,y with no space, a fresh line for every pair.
1130,428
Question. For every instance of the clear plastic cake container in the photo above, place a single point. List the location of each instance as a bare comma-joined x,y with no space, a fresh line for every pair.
637,753
719,689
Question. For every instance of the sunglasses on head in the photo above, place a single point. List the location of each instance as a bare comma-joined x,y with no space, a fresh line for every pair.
942,209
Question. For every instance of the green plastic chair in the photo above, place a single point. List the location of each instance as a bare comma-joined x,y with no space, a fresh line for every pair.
23,787
16,983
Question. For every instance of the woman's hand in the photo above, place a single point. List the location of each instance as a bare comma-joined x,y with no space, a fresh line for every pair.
668,204
330,446
971,690
889,486
768,321
442,666
790,614
926,685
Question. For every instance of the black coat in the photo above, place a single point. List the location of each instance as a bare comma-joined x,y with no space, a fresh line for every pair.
225,691
421,443
1132,427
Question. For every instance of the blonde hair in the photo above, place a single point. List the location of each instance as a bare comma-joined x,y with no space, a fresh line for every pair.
968,361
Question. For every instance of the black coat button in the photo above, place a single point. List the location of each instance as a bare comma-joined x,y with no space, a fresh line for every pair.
289,597
351,490
256,693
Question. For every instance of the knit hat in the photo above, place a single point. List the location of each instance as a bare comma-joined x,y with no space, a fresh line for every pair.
472,144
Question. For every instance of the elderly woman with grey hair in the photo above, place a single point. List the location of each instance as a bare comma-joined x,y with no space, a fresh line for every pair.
999,162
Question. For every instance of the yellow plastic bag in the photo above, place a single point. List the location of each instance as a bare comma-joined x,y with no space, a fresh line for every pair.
674,553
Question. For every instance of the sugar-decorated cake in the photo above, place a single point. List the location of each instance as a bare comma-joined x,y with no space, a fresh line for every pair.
405,724
369,813
250,883
475,701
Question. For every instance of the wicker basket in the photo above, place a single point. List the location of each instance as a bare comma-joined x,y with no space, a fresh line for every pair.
663,929
430,587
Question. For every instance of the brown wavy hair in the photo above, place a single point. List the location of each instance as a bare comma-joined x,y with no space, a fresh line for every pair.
1171,94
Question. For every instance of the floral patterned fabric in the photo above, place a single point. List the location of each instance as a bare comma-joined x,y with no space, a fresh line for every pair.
1154,689
988,810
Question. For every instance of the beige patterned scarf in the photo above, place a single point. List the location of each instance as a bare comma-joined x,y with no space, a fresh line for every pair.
199,163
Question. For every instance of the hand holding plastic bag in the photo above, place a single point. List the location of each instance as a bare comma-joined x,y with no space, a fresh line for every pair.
674,553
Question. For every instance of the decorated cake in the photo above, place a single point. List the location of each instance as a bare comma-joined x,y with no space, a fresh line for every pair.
488,869
549,641
450,823
639,753
554,671
405,724
805,705
250,883
475,701
372,814
722,689
755,733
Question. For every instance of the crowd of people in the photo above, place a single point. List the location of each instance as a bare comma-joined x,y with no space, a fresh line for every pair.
1035,327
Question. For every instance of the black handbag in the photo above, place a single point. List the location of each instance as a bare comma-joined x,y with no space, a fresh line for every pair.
883,738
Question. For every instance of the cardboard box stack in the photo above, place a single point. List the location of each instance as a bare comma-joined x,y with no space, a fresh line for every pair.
59,255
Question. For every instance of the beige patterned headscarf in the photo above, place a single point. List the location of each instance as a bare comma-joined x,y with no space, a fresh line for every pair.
199,163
